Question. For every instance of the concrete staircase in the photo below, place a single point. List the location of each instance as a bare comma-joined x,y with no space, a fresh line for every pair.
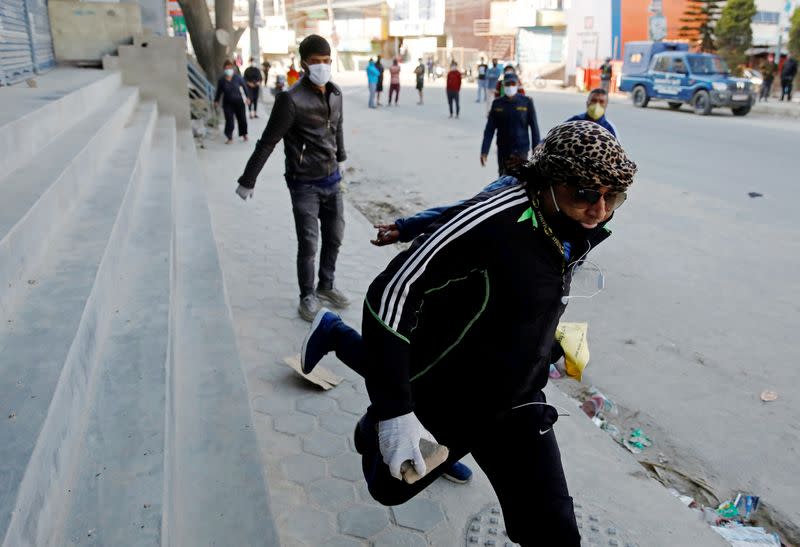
125,418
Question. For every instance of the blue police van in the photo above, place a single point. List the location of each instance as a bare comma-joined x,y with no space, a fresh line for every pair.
668,71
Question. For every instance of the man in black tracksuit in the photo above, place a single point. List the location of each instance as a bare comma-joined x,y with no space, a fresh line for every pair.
308,117
458,331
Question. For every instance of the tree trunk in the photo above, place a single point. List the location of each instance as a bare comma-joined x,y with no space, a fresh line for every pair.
201,32
211,53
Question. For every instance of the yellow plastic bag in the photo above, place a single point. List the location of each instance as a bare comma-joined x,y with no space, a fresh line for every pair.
574,342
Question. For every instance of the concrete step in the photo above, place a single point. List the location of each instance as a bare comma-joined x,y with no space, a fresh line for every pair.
46,113
116,488
209,421
51,339
39,196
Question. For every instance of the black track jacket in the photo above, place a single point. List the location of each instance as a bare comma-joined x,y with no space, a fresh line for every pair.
460,325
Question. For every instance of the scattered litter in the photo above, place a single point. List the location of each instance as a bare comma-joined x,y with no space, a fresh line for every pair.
637,441
611,429
768,395
688,501
662,459
32,82
746,504
728,510
710,516
747,536
554,372
755,194
700,483
320,376
599,405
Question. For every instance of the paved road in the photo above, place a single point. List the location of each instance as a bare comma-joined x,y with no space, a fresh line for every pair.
703,295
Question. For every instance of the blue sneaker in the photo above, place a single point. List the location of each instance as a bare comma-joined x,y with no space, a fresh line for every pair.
316,343
458,473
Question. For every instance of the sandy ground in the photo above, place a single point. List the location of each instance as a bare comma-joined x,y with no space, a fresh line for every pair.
702,299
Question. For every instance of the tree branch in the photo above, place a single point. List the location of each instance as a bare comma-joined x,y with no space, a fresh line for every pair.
237,34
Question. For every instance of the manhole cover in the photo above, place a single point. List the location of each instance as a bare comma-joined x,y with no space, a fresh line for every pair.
487,529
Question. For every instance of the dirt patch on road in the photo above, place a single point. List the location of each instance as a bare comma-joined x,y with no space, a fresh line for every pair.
381,200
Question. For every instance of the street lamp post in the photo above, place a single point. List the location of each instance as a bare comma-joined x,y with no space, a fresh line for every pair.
782,23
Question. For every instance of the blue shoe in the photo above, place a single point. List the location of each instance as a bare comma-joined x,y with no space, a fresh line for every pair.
458,473
316,343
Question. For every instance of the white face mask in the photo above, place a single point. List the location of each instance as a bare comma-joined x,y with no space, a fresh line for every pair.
319,74
228,72
511,90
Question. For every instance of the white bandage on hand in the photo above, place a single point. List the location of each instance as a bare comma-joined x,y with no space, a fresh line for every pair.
398,439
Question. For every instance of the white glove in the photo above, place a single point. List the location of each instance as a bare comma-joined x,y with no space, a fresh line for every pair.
398,439
244,193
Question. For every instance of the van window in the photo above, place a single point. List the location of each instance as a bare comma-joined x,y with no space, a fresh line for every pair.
662,64
678,66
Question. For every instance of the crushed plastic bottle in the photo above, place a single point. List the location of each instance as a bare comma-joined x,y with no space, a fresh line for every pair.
599,405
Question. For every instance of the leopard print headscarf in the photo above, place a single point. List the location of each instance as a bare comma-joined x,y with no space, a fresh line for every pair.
585,155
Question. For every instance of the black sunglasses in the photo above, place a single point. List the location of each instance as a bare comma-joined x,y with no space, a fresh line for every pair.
590,197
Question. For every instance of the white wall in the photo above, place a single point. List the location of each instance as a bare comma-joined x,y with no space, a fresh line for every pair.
584,44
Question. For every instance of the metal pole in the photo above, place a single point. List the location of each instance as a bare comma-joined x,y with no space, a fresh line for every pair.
334,38
255,48
31,35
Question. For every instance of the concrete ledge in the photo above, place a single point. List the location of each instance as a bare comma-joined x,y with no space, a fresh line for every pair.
776,108
209,424
28,238
119,470
24,137
157,65
35,518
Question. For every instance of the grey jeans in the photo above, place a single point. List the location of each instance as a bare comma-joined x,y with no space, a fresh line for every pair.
315,206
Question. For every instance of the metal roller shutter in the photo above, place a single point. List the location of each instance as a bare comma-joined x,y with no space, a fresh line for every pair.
26,45
43,57
16,61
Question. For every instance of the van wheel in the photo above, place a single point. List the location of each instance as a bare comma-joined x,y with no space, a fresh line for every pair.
741,111
674,106
702,103
640,97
